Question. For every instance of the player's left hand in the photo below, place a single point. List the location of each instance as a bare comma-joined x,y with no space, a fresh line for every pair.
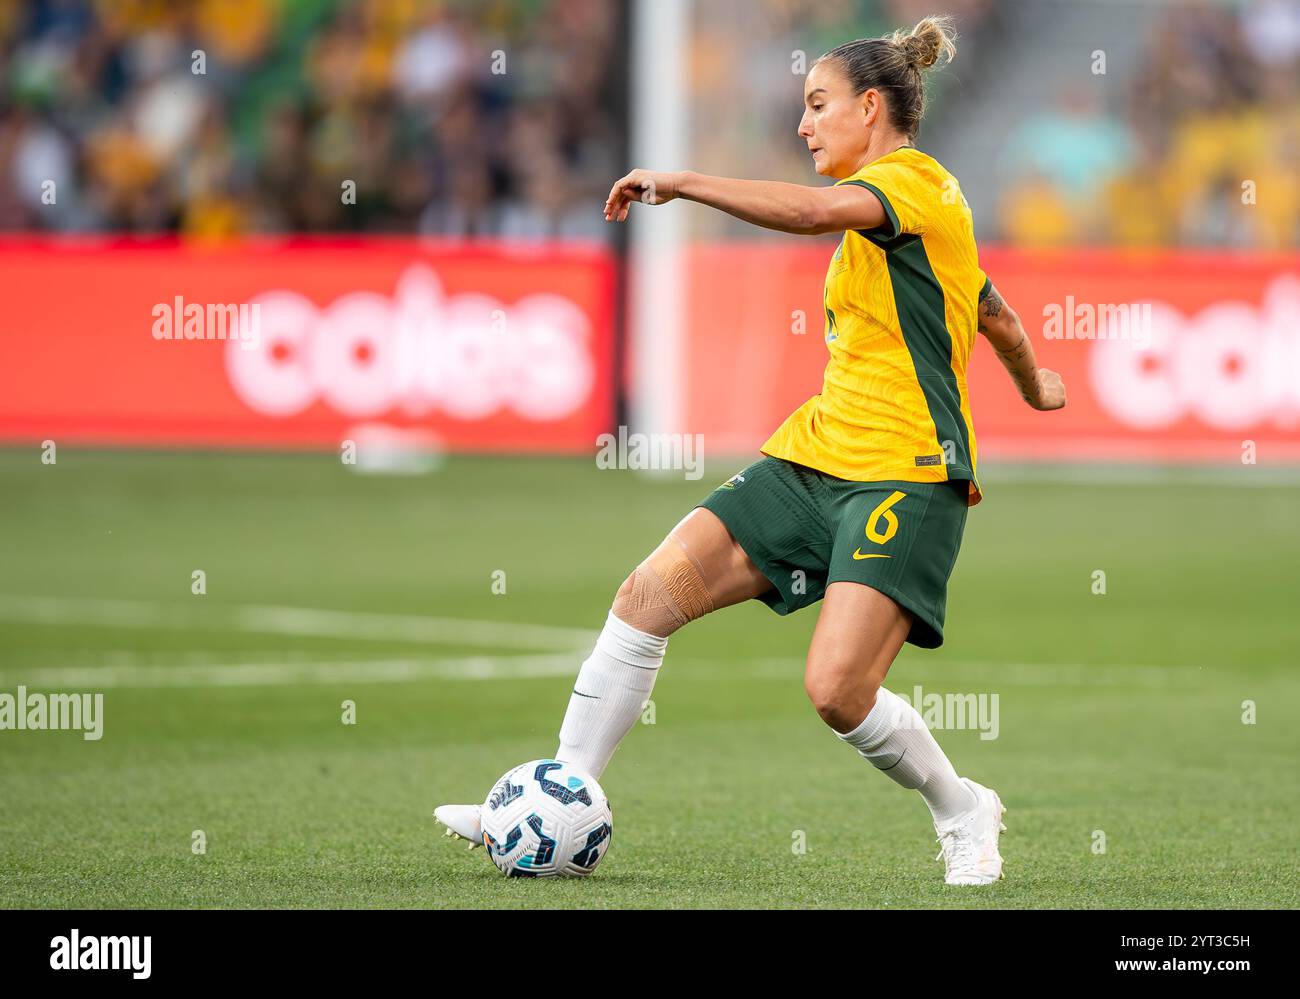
650,187
1051,391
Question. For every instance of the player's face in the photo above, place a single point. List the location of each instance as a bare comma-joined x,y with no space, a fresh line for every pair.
835,122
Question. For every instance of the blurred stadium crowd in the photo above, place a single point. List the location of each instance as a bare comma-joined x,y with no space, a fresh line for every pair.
1213,105
463,119
411,100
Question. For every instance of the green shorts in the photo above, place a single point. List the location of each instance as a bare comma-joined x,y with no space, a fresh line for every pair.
805,529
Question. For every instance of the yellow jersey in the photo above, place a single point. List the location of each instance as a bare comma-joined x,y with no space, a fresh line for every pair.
902,305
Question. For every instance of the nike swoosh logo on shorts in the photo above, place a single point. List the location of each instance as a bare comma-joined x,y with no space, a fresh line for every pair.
858,554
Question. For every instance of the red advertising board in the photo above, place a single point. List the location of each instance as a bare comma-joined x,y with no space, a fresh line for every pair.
497,348
292,343
1166,356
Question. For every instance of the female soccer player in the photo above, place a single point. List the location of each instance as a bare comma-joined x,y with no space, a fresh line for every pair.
862,493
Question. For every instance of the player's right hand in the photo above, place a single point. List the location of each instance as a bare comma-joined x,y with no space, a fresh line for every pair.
650,187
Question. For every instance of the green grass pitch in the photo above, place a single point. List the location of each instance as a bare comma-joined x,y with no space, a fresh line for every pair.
1120,715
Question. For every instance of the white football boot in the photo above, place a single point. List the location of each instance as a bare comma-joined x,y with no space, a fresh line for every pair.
969,844
462,822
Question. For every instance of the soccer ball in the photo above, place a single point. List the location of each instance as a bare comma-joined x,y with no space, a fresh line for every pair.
546,818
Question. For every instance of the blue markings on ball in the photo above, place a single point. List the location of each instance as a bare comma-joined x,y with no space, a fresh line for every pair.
504,793
590,853
545,847
512,840
558,791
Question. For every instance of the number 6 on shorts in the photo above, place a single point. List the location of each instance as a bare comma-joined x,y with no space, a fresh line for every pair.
884,512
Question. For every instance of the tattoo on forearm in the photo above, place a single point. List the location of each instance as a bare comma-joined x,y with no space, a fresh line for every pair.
1014,357
1026,382
1014,353
991,307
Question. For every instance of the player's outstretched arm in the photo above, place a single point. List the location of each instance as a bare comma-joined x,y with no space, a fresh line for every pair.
1040,387
793,208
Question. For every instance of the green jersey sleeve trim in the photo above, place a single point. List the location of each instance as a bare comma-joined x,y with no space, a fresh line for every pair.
891,228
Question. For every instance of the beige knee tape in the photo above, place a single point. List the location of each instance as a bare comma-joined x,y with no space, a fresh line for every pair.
668,590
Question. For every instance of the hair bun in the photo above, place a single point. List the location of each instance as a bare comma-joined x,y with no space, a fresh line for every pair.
929,41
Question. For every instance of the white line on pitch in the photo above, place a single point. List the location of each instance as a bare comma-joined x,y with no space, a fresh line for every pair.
297,621
294,674
307,622
409,628
947,674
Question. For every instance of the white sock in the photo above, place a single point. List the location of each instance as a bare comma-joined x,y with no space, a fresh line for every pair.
610,693
894,739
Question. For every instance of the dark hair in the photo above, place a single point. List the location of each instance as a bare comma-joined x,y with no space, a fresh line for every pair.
893,65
